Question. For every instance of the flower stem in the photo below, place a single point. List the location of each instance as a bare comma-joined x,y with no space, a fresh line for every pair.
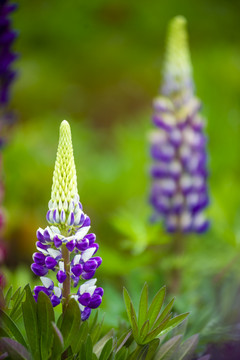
67,282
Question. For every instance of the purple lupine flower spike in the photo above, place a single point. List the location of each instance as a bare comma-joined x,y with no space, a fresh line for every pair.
178,145
65,247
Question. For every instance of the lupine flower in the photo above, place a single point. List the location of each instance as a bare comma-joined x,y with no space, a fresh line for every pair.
65,246
178,145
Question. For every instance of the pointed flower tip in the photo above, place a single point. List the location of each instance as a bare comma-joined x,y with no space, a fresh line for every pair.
179,21
65,126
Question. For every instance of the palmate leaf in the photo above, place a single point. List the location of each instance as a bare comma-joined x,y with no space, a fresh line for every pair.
8,324
14,349
156,322
29,308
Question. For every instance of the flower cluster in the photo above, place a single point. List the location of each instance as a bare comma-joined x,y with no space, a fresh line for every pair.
7,56
65,246
178,145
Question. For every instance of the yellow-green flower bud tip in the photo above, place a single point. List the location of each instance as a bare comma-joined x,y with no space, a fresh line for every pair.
64,187
177,59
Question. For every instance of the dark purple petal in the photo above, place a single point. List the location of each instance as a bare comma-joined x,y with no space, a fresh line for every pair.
46,235
87,221
39,258
37,290
70,245
57,241
83,244
75,280
90,265
77,269
84,299
87,275
85,313
39,270
61,276
99,291
55,300
98,259
50,262
40,236
95,301
41,246
91,238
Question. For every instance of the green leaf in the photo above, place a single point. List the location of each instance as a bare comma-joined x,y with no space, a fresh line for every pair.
128,303
101,343
8,297
29,308
187,348
14,349
156,306
174,322
45,316
95,334
134,323
6,321
168,349
152,347
144,330
71,323
143,306
122,354
89,348
154,333
107,349
58,344
165,313
94,322
82,335
122,340
17,298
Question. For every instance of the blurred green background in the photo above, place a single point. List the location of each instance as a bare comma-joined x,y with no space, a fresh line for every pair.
97,64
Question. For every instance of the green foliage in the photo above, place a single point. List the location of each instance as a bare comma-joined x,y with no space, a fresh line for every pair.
72,339
151,322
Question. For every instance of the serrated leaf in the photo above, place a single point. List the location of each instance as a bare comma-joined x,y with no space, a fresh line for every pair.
107,349
101,343
156,306
58,344
6,321
156,331
71,323
14,349
45,315
144,330
187,348
165,313
168,349
174,322
29,308
8,297
143,306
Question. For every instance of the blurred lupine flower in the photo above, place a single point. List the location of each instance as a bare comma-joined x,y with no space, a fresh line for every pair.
65,246
178,145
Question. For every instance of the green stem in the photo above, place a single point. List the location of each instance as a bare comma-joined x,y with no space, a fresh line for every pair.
67,283
177,250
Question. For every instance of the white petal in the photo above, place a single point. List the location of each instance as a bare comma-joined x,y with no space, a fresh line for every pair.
76,259
57,291
46,281
81,233
87,254
54,253
61,265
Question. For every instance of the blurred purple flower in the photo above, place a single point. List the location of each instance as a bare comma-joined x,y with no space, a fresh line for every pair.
178,145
